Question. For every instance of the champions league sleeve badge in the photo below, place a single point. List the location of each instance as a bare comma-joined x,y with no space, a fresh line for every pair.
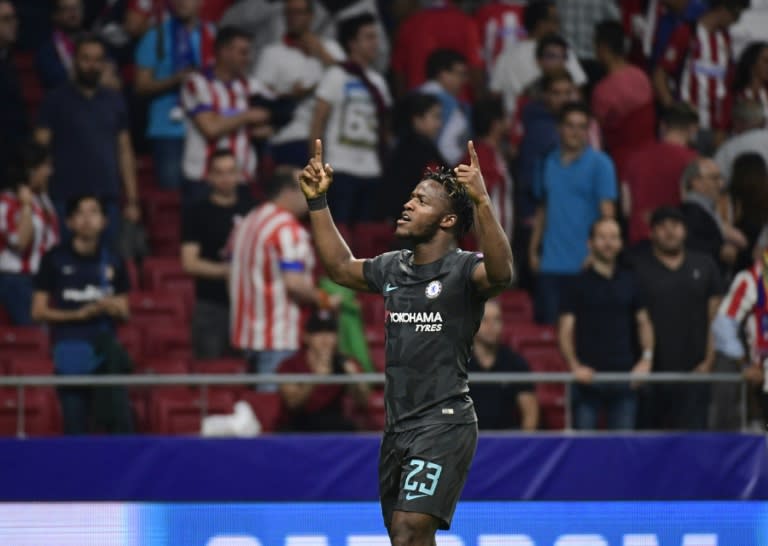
433,289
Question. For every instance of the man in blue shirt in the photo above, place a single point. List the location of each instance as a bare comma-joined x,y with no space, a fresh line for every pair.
81,291
164,57
576,186
86,127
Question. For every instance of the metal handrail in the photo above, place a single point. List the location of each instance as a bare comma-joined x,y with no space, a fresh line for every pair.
20,382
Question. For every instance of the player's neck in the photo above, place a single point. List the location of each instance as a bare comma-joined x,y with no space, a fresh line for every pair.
431,251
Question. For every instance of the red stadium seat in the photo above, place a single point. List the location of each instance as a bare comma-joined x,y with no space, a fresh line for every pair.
516,306
524,335
267,407
131,337
219,366
377,417
29,341
42,416
29,366
378,355
551,396
133,274
151,308
5,319
163,221
164,274
169,341
180,412
165,366
370,239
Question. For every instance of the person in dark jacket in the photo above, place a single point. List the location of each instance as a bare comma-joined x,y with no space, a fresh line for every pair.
420,119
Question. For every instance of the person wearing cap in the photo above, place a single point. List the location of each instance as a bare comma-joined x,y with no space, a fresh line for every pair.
319,407
682,290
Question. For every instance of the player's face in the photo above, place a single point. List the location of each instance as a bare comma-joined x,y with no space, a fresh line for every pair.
491,325
298,16
366,43
88,221
89,64
552,59
223,175
606,241
430,122
69,15
668,236
574,131
186,9
38,177
423,212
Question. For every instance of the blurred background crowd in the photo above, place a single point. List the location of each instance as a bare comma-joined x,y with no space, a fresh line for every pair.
151,219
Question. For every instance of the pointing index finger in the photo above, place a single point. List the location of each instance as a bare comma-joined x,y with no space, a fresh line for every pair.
472,154
319,150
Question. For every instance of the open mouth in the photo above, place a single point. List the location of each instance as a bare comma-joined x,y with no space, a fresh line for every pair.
404,217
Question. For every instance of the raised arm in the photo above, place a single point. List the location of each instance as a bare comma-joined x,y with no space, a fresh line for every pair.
333,251
497,270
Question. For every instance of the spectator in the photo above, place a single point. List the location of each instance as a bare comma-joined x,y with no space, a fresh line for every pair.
13,117
540,136
551,54
415,151
207,228
744,306
81,291
165,56
707,230
320,408
28,229
697,68
751,78
350,115
291,69
262,19
83,119
499,26
447,74
439,24
55,58
749,195
490,125
271,276
651,175
662,20
596,333
683,289
577,186
516,68
217,103
622,102
500,406
141,15
750,135
580,19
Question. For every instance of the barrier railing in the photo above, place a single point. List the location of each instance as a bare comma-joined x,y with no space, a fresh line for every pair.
20,382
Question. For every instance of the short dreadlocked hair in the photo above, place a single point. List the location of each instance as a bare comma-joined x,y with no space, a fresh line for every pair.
457,194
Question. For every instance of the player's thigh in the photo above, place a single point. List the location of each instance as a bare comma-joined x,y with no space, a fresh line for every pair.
390,462
434,469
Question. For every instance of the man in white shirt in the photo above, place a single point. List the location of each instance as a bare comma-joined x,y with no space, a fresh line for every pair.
516,67
351,106
291,68
751,135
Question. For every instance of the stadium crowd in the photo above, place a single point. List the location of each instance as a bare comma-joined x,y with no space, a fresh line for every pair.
151,218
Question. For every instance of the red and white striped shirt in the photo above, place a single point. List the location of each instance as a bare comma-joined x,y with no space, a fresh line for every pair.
203,92
499,25
45,233
267,243
702,63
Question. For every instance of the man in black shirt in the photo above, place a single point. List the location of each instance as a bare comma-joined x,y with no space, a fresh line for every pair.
602,319
683,290
206,231
81,292
500,405
434,297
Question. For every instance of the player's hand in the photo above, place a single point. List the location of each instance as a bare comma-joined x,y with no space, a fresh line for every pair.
470,176
754,374
25,195
316,178
643,367
583,374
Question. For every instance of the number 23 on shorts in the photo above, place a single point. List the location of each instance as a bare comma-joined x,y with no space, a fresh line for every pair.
426,485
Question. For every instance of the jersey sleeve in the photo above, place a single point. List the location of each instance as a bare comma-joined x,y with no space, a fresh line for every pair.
146,51
375,270
294,248
45,278
605,180
471,261
196,95
677,48
330,86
